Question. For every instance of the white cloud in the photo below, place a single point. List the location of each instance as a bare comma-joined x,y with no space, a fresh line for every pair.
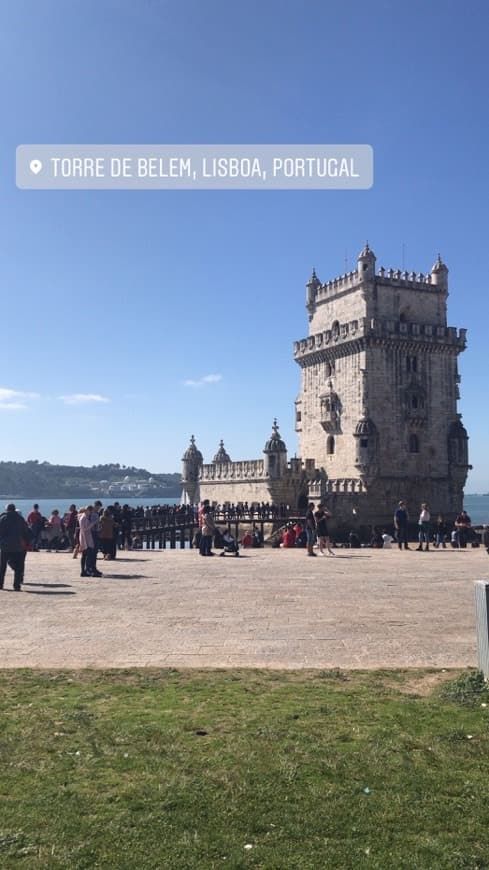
206,379
82,398
15,400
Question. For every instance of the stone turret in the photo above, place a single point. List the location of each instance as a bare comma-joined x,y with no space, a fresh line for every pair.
275,454
221,456
192,461
366,264
439,274
312,287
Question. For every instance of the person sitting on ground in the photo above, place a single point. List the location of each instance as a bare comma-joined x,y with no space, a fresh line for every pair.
354,541
377,541
229,543
247,540
288,538
387,539
298,528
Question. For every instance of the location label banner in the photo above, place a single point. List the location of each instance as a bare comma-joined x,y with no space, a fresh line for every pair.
194,167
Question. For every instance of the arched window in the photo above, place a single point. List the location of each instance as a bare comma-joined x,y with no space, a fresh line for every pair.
413,443
330,445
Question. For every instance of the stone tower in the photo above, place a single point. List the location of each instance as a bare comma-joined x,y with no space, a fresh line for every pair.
192,461
377,411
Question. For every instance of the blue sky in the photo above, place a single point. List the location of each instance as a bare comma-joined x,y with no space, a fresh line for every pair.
128,295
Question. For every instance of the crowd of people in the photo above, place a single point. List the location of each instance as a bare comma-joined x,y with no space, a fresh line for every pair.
93,529
84,531
438,533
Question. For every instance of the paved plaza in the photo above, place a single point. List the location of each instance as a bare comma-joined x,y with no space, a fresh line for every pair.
267,609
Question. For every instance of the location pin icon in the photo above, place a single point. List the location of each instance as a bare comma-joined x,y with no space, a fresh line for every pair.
35,166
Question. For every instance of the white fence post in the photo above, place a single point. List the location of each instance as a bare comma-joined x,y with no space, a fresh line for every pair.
481,588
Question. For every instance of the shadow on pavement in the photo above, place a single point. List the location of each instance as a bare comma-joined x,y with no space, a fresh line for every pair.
342,556
123,577
48,592
50,585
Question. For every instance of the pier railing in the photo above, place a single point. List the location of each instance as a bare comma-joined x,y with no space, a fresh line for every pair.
161,532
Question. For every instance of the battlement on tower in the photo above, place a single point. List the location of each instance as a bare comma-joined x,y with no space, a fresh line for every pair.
431,334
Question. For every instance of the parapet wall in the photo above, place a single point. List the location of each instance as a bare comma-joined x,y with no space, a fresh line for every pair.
247,469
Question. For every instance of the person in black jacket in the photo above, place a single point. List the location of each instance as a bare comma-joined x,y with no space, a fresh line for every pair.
14,536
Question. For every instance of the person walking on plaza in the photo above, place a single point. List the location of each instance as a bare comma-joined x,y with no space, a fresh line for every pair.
88,521
106,534
202,508
208,532
310,529
55,530
424,527
463,526
441,532
401,519
70,520
15,534
35,521
321,517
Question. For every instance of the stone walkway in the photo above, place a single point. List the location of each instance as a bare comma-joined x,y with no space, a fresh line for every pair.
267,609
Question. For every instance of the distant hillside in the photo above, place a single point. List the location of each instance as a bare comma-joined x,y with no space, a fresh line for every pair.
34,479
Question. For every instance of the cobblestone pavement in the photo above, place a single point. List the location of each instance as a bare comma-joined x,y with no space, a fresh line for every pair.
267,609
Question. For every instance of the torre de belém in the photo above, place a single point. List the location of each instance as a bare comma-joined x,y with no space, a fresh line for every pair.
376,415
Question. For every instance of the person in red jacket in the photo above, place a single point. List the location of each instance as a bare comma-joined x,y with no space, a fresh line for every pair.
288,539
36,521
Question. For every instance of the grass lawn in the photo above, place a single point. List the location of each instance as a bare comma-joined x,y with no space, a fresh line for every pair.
176,769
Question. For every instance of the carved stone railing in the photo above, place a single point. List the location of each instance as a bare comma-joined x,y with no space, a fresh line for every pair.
247,469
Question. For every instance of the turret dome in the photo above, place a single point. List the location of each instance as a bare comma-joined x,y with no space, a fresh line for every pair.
314,280
367,253
221,455
192,452
439,266
275,443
